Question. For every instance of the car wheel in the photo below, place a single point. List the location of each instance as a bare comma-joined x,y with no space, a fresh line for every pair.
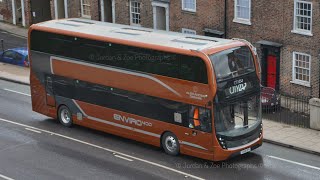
65,116
170,144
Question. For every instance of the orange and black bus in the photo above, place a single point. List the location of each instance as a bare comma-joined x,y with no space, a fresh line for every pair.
188,94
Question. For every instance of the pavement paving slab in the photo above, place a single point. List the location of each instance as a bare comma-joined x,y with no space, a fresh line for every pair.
14,73
304,139
17,30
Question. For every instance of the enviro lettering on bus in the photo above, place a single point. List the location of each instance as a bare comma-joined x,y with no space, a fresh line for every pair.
130,120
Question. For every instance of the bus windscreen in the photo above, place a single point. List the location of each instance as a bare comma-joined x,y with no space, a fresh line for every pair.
232,63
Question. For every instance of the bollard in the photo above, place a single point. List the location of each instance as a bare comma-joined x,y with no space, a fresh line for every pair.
314,113
2,46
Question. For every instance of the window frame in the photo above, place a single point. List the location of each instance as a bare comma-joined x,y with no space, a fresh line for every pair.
82,10
9,51
295,28
131,12
298,81
18,57
237,19
186,30
188,9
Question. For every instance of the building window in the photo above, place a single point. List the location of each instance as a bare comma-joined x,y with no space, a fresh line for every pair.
135,18
242,11
188,31
85,8
301,69
189,5
302,17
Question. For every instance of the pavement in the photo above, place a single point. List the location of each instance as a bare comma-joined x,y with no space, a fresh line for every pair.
302,139
16,30
14,73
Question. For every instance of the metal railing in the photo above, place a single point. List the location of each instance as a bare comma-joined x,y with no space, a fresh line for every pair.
292,110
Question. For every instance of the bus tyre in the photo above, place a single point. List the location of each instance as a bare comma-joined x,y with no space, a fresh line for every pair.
170,144
65,116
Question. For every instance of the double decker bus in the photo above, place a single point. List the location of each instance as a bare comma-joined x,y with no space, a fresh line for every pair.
188,94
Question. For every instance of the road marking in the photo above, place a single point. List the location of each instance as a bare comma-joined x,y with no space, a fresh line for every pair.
5,177
33,130
293,162
123,158
106,149
16,92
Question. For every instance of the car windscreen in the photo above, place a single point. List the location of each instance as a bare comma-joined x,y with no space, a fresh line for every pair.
232,63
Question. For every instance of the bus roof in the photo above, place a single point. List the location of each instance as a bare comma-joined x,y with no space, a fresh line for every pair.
136,34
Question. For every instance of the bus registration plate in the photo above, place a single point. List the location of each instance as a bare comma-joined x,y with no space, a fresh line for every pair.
245,151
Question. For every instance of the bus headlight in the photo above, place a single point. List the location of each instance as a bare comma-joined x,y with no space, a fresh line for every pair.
222,143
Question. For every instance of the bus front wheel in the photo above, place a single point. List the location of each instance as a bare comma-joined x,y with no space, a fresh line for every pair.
170,144
65,116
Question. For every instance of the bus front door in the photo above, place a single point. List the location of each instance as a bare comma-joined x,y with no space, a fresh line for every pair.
199,135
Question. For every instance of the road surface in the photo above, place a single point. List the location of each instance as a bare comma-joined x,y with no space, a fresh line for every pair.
33,146
11,40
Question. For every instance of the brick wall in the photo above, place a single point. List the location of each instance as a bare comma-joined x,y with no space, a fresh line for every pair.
273,21
122,15
28,13
122,11
6,11
52,7
146,13
209,14
95,10
74,8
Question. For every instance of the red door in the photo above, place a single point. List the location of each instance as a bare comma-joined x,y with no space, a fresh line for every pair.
271,71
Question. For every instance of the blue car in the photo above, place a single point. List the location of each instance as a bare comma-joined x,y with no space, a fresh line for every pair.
16,56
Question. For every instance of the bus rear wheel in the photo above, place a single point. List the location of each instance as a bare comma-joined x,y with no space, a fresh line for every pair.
170,144
65,116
